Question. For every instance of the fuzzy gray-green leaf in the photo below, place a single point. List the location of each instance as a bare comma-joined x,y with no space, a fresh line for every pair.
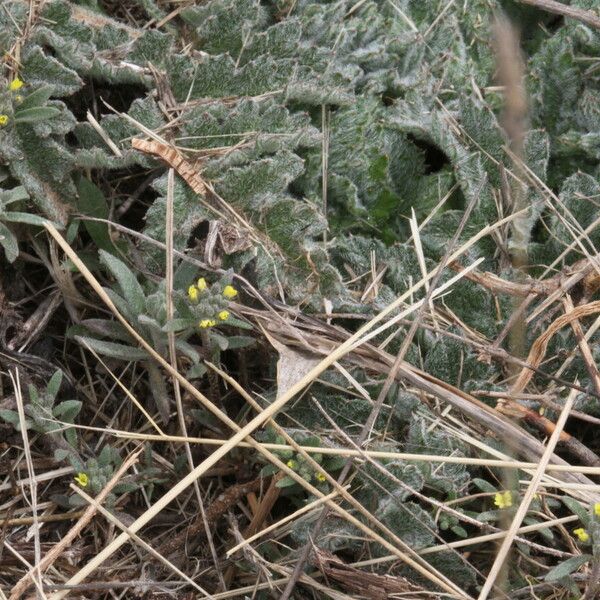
130,287
112,349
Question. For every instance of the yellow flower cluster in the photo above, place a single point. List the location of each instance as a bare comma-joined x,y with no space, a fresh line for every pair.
597,509
207,323
82,479
229,292
194,290
582,534
193,293
292,464
503,499
321,477
200,286
3,120
15,84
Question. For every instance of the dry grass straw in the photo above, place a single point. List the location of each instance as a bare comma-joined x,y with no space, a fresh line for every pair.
287,519
36,573
352,343
95,504
334,451
67,540
173,361
526,500
402,550
241,433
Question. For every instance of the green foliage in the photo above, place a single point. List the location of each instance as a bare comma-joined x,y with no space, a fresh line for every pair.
453,362
197,308
413,525
320,128
579,196
297,462
42,412
94,473
567,567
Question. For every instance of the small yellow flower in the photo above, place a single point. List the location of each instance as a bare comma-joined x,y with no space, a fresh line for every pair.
292,464
193,293
82,479
581,534
224,315
321,477
503,499
207,323
3,120
597,509
15,84
229,292
202,285
18,98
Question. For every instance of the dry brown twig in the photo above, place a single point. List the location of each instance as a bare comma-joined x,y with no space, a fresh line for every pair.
363,583
539,347
572,12
216,509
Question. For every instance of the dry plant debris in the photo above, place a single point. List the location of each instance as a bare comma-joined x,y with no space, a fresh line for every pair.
299,298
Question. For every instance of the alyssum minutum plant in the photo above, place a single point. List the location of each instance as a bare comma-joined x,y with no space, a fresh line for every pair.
588,536
198,309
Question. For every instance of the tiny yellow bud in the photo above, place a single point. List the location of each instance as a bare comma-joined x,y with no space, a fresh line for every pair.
321,477
18,98
292,464
193,293
202,285
82,479
581,534
224,315
15,84
597,509
503,499
207,323
3,120
229,292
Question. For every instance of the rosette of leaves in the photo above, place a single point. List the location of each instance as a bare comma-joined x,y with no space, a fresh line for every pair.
43,413
93,475
146,313
294,460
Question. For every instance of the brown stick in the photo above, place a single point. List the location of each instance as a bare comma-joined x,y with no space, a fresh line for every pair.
262,512
266,504
362,583
539,347
174,159
223,502
584,347
585,16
